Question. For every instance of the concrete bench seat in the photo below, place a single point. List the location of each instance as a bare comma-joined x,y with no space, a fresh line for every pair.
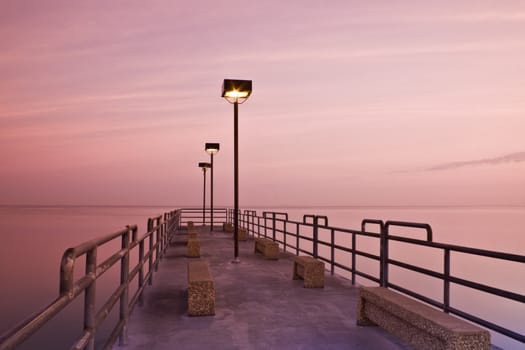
194,248
192,234
268,248
420,325
310,270
227,227
201,289
242,234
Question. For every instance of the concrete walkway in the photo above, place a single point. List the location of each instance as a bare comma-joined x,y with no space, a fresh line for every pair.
258,306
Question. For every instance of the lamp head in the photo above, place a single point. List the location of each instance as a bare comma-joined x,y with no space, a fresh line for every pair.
204,166
211,148
236,91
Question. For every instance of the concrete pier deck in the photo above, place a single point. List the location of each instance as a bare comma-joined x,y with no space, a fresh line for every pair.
258,306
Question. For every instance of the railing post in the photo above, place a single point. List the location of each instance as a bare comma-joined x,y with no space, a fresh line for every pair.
354,242
254,215
315,234
446,282
253,222
297,239
89,297
163,235
383,248
273,226
67,266
141,271
124,298
265,226
157,235
150,265
383,257
332,251
284,236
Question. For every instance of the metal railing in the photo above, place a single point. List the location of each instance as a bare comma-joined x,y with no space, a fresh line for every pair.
303,237
151,247
195,215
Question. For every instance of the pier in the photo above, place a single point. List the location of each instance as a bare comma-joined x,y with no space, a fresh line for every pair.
258,305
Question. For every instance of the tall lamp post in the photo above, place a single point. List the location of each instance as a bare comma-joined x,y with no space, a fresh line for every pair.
204,166
211,149
236,92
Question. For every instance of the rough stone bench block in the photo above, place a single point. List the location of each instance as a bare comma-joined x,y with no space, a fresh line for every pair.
194,248
192,233
310,270
242,234
201,289
420,325
268,248
227,227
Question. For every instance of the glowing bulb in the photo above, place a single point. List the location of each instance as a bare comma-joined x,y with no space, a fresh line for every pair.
236,94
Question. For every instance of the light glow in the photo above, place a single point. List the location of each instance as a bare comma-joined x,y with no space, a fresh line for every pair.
236,94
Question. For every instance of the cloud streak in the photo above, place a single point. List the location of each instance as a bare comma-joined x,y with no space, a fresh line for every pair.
517,157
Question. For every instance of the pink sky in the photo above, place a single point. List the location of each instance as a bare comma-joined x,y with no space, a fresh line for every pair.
354,102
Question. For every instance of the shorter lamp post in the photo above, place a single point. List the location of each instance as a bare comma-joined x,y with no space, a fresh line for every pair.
236,92
204,166
211,149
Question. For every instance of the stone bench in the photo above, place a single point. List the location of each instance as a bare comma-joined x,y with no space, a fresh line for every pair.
420,325
242,234
194,248
192,233
268,248
201,289
227,227
310,270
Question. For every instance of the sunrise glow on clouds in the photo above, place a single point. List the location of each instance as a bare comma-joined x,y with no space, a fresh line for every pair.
112,102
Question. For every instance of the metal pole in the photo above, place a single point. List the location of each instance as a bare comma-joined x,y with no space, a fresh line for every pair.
204,198
89,297
236,181
124,298
211,194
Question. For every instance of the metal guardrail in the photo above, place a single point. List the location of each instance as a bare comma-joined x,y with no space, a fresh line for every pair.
198,216
288,234
151,247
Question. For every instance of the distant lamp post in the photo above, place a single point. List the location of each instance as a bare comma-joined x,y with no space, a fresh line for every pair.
204,167
211,149
236,92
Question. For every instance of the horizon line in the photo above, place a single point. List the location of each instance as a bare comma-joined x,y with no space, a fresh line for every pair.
259,206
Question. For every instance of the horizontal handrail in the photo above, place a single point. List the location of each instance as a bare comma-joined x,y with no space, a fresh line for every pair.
426,227
275,215
196,215
315,219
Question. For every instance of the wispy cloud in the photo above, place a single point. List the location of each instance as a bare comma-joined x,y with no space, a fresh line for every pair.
517,157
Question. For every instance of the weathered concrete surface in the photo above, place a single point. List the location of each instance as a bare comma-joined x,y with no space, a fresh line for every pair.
258,306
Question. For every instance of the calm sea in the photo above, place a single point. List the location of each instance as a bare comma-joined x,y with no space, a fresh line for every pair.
34,238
